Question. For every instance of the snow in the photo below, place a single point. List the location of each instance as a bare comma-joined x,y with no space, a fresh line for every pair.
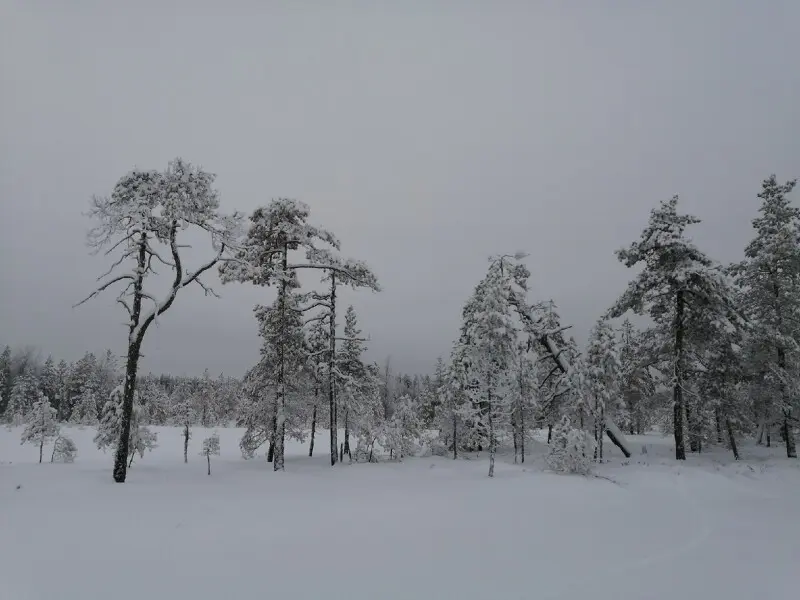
646,528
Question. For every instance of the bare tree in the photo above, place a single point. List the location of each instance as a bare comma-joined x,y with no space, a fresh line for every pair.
142,217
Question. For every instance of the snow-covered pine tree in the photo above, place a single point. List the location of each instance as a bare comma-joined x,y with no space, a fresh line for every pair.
769,278
140,221
62,377
210,448
350,273
64,450
155,401
41,424
84,411
525,396
317,345
636,380
360,396
49,381
720,372
80,376
283,347
402,430
677,282
24,394
491,340
276,231
206,409
5,378
182,413
604,374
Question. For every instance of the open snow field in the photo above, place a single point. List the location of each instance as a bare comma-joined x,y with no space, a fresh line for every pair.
425,528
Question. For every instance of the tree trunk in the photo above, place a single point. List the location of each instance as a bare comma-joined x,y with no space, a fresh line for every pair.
341,452
788,435
278,458
121,458
601,430
731,439
208,458
271,451
347,435
522,436
455,436
690,426
130,464
768,429
515,435
717,421
677,393
185,443
331,364
492,444
313,428
41,449
549,432
135,337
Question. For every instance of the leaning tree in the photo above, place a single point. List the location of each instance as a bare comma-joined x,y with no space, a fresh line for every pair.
139,224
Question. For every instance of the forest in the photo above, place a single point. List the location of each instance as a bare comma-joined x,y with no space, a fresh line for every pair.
712,361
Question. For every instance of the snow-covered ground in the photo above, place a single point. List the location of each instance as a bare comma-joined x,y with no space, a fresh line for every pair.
425,528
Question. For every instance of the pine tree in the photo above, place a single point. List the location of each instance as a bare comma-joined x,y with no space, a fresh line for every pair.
62,377
490,345
210,448
41,425
182,414
263,258
604,373
84,411
636,384
769,278
6,382
678,285
24,395
141,221
317,345
402,430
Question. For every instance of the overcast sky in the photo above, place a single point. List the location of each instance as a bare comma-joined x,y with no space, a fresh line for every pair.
426,135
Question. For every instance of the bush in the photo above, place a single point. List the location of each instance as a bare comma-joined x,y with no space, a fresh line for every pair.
570,450
64,450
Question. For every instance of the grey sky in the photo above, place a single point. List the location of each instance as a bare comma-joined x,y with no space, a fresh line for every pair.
426,135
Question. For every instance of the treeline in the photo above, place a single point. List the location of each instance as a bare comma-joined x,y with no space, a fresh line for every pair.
719,360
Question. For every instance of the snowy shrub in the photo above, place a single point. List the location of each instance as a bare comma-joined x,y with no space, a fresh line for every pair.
439,448
570,450
64,450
